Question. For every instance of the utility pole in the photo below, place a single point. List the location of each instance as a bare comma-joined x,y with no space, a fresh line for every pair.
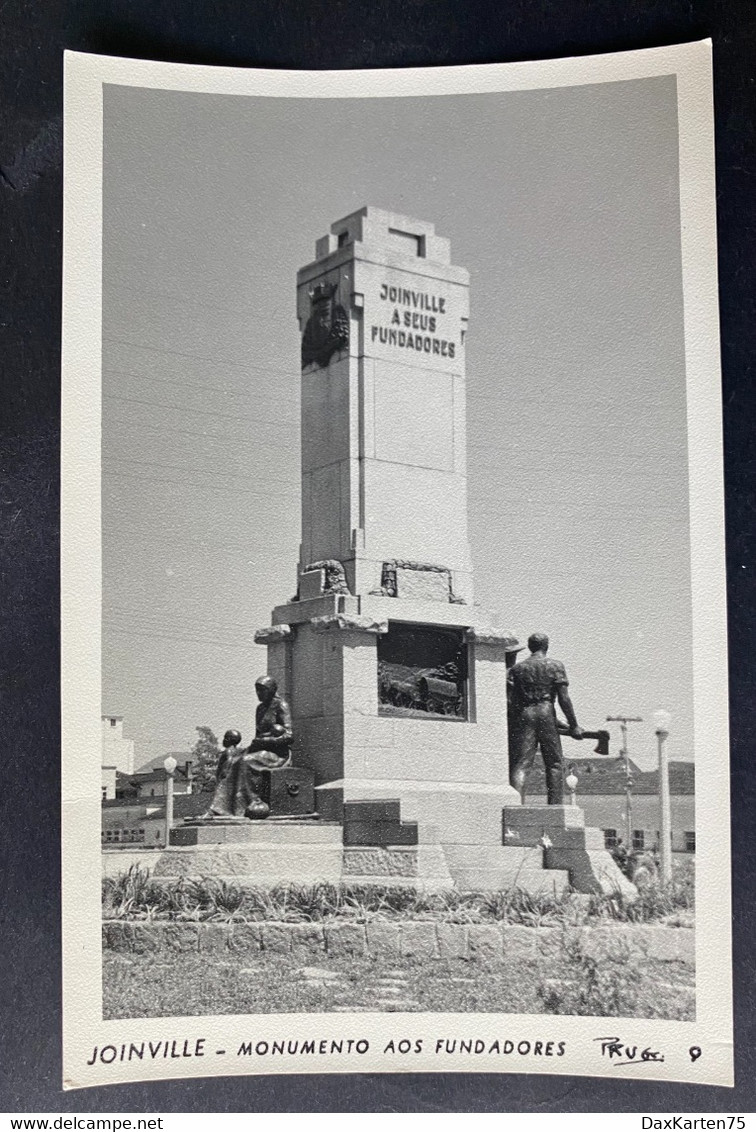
623,721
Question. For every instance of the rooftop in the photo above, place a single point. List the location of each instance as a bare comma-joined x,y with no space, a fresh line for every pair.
156,763
606,775
184,806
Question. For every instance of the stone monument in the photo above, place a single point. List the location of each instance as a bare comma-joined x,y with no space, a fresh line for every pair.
396,678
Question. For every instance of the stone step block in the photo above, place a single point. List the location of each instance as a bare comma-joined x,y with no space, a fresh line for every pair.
594,838
542,882
578,865
461,817
276,937
609,874
590,870
307,939
432,865
507,858
544,817
380,833
257,832
245,937
373,810
254,864
501,869
534,835
519,941
329,802
380,861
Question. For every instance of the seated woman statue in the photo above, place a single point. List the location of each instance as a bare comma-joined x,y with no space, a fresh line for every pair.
240,773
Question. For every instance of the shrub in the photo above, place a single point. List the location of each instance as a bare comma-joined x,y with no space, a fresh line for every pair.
606,988
227,900
131,894
516,906
135,895
612,986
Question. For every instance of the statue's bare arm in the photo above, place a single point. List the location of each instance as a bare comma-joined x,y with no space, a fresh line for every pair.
565,703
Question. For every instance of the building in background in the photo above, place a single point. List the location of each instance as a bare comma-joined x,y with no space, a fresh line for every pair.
117,754
601,793
133,804
130,822
150,780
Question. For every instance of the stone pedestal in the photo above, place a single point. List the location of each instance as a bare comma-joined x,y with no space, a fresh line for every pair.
260,853
450,772
560,834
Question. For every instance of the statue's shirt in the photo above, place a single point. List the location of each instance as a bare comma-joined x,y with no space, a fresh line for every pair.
536,679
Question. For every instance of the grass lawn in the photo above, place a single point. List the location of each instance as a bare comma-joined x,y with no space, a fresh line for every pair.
151,986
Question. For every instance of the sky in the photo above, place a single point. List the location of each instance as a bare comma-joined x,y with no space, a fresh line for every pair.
564,207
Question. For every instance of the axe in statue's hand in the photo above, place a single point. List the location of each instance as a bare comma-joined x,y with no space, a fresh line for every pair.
601,737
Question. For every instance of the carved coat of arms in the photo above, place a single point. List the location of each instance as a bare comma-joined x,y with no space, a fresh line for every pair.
327,328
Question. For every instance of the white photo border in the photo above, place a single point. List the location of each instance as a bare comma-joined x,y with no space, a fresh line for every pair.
81,590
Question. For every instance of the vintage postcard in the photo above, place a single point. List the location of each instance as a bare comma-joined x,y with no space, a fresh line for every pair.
394,657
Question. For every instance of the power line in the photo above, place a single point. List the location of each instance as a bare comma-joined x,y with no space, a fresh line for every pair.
145,614
176,637
193,468
203,486
187,409
183,384
167,428
221,637
201,358
249,311
219,362
142,623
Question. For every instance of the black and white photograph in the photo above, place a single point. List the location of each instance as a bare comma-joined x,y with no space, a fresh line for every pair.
393,585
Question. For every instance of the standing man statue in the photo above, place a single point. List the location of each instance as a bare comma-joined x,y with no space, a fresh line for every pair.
240,773
534,684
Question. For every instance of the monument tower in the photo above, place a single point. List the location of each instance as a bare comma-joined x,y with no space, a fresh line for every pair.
397,680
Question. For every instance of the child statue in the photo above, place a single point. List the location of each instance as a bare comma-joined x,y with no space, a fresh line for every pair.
239,775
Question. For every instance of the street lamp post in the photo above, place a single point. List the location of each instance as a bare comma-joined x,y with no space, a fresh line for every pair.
629,812
623,721
662,721
170,765
571,782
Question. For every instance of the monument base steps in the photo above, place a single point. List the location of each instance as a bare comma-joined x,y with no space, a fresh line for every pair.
546,849
264,832
592,867
258,863
453,808
425,866
566,845
501,868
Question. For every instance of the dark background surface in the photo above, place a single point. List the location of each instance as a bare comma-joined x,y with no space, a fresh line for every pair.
306,34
